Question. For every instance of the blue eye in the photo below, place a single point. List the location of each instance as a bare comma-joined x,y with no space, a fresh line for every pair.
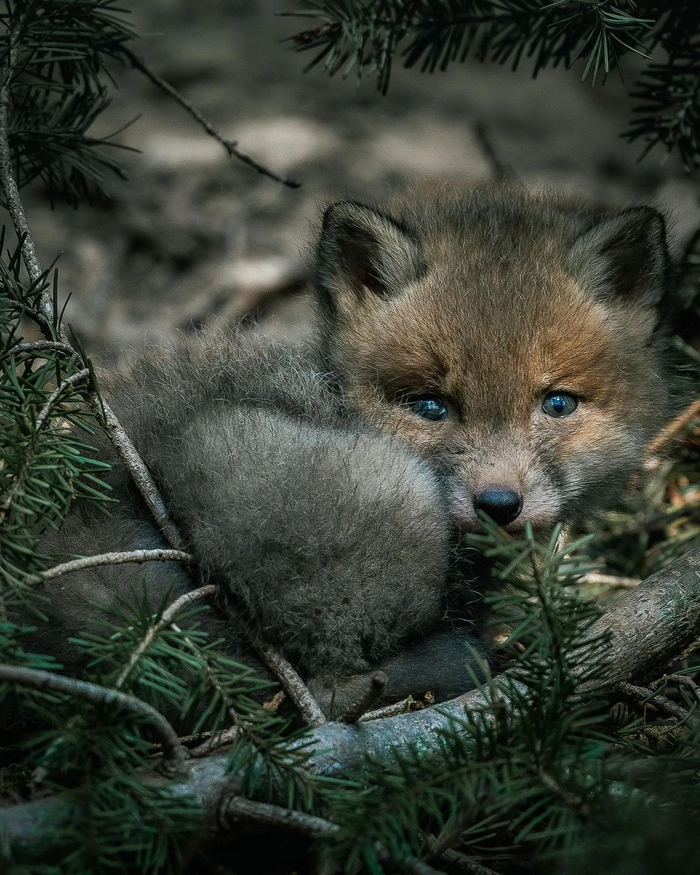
559,404
428,407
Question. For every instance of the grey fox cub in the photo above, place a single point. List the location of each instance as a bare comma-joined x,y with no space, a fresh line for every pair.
491,350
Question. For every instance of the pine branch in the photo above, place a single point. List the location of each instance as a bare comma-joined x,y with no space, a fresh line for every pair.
290,679
648,626
174,754
165,619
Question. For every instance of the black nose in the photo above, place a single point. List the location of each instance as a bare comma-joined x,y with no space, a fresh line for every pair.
502,505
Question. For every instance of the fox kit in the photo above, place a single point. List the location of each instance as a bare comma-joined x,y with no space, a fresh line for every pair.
492,351
511,339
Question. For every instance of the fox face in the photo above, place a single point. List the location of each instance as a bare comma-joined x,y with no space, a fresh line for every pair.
511,339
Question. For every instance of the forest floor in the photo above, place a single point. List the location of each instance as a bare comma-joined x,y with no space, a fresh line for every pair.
193,237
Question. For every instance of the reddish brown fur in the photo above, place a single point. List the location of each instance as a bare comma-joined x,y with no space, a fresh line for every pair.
516,295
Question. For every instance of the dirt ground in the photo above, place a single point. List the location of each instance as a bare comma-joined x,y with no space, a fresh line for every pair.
193,237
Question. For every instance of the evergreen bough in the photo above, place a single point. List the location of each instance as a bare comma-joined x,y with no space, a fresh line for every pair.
365,36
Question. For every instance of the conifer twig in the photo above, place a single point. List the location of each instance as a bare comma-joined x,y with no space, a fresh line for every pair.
238,808
649,625
297,690
78,377
164,620
231,146
295,687
117,558
671,431
174,754
46,315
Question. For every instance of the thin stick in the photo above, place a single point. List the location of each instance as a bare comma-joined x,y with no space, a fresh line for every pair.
296,689
670,432
644,694
119,558
165,620
237,808
14,204
611,580
231,146
294,686
402,707
174,754
137,468
41,345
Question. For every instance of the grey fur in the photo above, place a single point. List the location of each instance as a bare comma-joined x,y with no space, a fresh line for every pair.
329,538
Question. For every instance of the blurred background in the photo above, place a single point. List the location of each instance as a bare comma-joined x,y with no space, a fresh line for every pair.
194,238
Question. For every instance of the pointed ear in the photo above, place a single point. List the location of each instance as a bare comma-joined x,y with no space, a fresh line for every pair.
624,255
363,251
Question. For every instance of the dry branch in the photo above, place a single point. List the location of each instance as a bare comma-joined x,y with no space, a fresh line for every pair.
231,146
118,558
174,754
649,626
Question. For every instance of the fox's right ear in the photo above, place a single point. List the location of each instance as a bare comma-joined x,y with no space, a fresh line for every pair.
625,255
361,251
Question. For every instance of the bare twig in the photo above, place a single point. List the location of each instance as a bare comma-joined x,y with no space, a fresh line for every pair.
296,689
231,146
43,345
644,694
118,558
237,808
174,754
455,860
165,619
402,707
596,578
683,681
673,430
370,696
7,180
137,468
218,739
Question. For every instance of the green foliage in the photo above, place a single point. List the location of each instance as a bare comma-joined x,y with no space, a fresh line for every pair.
45,464
53,59
540,771
366,37
518,771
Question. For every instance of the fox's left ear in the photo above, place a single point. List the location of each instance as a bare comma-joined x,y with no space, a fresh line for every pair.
625,255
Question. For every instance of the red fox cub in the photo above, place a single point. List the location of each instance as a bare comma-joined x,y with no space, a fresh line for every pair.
492,351
511,339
